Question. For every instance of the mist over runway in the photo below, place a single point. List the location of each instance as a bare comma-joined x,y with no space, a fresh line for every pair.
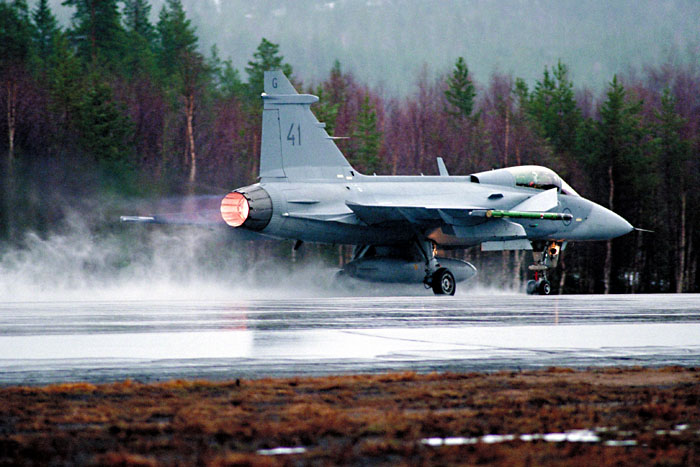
152,340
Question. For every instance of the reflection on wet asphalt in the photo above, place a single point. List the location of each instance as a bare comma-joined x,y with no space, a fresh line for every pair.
154,340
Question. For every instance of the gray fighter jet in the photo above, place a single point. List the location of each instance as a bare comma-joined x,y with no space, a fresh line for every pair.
308,192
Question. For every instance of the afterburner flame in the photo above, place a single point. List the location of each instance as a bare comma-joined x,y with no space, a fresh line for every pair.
234,209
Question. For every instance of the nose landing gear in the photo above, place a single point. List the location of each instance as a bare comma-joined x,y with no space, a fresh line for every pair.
546,256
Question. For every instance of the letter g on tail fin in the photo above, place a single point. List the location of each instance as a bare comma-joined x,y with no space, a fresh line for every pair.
277,83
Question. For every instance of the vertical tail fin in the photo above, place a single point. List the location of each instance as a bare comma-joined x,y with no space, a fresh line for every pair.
294,144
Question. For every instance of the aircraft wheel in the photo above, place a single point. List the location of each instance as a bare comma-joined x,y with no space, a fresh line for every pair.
531,287
444,282
544,287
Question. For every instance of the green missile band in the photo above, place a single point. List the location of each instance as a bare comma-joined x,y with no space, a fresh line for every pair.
550,216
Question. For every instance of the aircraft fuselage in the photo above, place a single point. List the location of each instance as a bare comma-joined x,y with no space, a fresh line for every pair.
320,212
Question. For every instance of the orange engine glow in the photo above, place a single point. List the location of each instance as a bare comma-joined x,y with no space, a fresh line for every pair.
234,209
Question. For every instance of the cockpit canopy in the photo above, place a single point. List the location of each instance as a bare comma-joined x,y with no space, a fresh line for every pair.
530,176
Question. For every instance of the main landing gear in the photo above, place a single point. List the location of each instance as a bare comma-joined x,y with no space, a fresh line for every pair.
438,278
443,282
546,256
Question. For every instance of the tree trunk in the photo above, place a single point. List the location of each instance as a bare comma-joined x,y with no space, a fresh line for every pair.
607,268
680,269
507,139
639,259
11,121
189,111
691,263
8,184
257,152
562,278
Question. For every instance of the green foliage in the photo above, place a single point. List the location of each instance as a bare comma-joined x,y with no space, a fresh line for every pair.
105,130
45,30
367,140
553,108
15,35
521,92
65,81
674,151
97,31
325,110
622,148
265,58
226,80
21,8
332,96
337,85
460,92
177,40
136,19
139,60
140,39
618,126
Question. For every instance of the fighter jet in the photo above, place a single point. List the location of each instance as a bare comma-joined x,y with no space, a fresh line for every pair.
308,192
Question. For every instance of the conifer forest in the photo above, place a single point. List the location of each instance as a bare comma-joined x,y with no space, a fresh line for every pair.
118,106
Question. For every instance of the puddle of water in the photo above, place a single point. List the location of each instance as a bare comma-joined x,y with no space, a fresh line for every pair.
573,436
281,451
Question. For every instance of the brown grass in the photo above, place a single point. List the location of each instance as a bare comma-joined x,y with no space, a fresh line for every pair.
358,419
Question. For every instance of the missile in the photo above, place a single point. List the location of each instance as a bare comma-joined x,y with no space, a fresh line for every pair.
497,214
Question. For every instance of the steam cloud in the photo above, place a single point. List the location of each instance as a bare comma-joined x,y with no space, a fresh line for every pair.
94,257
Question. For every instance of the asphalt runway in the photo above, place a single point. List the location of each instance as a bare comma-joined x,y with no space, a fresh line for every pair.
103,341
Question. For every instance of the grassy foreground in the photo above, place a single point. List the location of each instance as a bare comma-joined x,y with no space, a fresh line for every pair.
630,417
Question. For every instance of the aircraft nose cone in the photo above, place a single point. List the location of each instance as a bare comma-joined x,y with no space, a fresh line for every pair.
603,224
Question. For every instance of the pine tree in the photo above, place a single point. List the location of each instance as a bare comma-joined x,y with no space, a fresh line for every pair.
620,153
368,139
325,110
97,31
65,82
337,85
184,67
15,36
136,19
553,107
225,78
140,37
674,153
105,130
460,92
265,58
15,40
176,38
45,30
22,9
15,53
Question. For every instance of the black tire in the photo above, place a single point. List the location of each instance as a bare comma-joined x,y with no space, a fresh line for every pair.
531,287
444,282
544,287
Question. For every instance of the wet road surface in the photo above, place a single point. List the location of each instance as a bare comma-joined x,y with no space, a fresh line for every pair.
102,341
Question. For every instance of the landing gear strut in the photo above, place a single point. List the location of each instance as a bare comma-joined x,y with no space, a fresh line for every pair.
546,256
440,279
